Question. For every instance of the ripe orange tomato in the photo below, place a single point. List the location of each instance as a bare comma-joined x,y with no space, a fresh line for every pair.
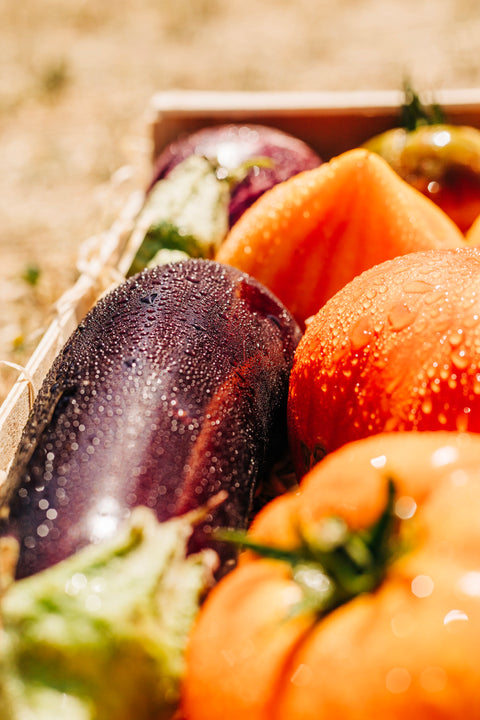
398,348
262,649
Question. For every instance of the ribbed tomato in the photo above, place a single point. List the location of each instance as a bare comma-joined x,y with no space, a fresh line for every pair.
370,607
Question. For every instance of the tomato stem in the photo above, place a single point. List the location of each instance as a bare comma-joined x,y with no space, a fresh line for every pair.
332,563
414,113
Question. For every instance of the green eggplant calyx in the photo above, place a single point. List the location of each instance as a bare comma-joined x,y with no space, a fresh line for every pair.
185,212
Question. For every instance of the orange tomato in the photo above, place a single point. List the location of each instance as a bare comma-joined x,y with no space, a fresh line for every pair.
441,160
396,349
310,235
405,648
472,235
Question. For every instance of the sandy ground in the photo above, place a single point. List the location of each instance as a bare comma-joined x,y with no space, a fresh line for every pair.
76,79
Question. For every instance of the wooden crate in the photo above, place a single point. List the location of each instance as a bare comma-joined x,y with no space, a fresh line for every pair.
330,122
98,270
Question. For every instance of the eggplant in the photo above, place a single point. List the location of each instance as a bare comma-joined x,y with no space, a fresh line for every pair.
171,392
204,181
254,157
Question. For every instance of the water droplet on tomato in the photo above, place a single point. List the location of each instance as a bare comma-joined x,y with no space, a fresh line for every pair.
416,286
400,316
432,297
405,507
398,680
462,420
422,586
302,677
452,382
361,333
455,338
460,358
427,407
435,385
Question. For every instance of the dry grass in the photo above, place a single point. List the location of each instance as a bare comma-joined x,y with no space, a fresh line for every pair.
76,79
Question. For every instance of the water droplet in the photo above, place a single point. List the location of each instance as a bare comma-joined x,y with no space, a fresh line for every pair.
416,286
93,603
360,334
472,321
75,584
461,422
302,677
422,586
452,382
432,297
455,338
427,407
398,680
400,316
460,359
405,507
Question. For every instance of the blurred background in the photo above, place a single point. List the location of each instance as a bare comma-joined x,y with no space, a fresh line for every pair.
76,79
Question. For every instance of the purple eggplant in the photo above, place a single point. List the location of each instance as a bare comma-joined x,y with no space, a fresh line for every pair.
254,158
203,182
172,390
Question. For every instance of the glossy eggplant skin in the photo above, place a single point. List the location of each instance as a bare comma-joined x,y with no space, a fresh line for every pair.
171,390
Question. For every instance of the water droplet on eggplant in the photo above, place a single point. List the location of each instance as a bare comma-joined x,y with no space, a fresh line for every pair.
163,413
